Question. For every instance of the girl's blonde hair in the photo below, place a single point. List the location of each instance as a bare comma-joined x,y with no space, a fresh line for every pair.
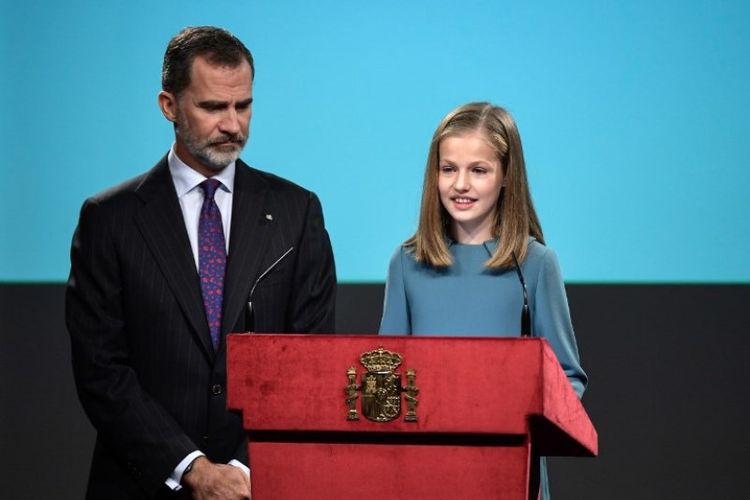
515,217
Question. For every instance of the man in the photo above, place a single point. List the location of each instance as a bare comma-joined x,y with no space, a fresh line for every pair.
164,266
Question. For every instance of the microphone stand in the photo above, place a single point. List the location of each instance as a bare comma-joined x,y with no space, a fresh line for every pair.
250,313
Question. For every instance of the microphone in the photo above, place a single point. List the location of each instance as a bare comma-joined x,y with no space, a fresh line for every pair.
525,312
250,313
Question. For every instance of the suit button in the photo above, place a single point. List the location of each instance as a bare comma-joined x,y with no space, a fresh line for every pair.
216,389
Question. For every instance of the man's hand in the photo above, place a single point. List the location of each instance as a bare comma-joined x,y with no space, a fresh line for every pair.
208,480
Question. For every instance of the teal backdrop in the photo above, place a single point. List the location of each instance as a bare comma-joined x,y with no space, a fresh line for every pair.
634,117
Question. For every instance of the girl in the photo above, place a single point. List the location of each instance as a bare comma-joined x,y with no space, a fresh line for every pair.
478,265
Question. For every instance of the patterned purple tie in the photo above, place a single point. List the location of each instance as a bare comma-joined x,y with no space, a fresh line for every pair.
212,258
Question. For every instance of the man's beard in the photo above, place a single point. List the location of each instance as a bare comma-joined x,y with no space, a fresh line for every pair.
207,151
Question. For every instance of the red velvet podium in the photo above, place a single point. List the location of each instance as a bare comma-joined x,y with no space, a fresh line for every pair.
484,407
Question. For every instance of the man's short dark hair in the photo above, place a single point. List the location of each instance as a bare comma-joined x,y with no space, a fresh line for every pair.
217,45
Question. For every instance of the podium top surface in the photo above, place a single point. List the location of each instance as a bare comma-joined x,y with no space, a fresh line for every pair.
479,386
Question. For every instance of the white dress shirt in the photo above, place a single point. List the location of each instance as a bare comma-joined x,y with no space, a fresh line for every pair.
187,184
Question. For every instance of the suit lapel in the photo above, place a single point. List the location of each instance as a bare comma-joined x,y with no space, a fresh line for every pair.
247,243
161,222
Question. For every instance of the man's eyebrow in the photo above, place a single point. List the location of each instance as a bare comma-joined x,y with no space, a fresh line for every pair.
212,105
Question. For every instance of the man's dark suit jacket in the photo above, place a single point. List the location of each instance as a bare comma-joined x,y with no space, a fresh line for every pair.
145,369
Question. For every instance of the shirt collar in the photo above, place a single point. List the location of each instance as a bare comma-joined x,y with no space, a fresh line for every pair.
490,245
186,179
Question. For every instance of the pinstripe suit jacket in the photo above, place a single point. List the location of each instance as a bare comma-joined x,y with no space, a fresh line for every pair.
145,370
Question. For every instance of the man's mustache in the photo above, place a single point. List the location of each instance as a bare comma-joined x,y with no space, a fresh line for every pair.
238,139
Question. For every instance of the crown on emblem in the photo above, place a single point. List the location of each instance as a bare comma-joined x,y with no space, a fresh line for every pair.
380,360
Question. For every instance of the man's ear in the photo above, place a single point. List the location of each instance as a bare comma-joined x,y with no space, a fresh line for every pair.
168,105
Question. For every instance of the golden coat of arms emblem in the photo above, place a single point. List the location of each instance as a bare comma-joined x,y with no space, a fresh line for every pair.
381,388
